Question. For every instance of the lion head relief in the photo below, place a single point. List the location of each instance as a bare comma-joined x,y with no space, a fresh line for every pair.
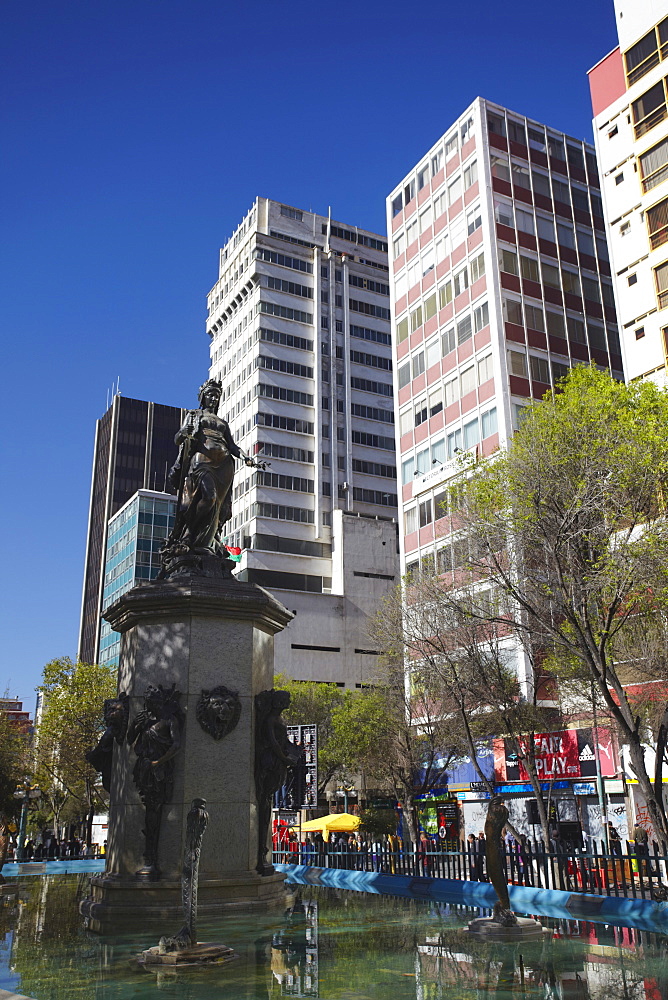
218,711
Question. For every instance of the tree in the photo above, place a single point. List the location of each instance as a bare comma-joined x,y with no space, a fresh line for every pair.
15,764
440,627
569,527
312,703
400,733
71,724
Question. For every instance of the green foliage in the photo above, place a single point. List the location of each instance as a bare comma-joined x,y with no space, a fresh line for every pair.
15,764
378,821
312,703
71,724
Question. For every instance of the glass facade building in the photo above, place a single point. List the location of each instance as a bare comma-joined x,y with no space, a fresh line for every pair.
135,536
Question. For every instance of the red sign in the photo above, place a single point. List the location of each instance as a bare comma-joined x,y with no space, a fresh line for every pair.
569,753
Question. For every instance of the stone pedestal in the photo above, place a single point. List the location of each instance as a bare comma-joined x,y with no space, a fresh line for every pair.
196,633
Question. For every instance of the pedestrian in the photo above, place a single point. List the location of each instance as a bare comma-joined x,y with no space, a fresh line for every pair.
472,851
614,839
481,857
641,844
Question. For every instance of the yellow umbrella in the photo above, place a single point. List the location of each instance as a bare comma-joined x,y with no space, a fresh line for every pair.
334,822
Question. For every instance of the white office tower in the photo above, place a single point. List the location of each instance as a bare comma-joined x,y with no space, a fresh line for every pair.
299,321
500,282
629,100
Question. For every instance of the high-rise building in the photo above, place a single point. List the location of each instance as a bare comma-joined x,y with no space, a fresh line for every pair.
134,449
500,283
629,92
135,537
299,321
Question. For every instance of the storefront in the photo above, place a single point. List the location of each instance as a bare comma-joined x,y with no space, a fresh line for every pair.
566,764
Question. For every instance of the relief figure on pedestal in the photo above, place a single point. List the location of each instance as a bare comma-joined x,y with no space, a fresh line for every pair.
155,736
274,754
116,711
218,711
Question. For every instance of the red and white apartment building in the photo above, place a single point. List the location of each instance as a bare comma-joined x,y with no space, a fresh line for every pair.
629,92
500,282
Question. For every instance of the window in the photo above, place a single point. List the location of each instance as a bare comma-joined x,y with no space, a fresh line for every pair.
503,213
451,146
418,364
291,213
534,317
451,391
521,176
561,190
445,294
555,324
435,402
625,228
524,221
420,411
570,281
591,290
657,223
565,236
585,242
416,319
575,157
559,370
480,317
485,369
477,267
596,334
464,330
641,57
454,443
551,275
613,132
649,110
654,165
517,364
555,147
508,261
461,281
425,509
541,184
425,219
433,352
529,267
466,129
407,470
471,433
576,330
430,307
399,245
438,456
540,369
440,205
500,168
409,192
661,279
640,332
402,330
404,375
410,521
496,125
537,140
397,205
473,220
411,232
516,132
545,229
436,162
632,279
470,174
454,190
448,341
422,176
468,379
619,178
489,423
513,311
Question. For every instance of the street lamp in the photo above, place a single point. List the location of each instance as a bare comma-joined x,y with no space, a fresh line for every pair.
25,792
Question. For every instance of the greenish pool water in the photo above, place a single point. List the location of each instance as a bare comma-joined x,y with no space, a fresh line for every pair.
331,944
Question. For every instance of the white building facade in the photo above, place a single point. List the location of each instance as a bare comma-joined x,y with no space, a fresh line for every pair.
629,90
299,321
499,283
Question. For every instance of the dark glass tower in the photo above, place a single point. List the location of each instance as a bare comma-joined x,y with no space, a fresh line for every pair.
134,450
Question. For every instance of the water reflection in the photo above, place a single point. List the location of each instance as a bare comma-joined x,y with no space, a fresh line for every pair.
328,943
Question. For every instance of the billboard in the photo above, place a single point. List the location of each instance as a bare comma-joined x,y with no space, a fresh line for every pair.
566,754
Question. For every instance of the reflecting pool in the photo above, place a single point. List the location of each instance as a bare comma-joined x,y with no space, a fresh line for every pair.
330,943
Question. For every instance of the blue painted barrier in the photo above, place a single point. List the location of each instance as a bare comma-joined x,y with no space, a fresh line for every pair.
57,867
641,913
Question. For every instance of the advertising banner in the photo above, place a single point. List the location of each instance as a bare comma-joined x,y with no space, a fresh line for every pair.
568,753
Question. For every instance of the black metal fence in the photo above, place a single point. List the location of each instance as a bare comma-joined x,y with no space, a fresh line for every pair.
636,871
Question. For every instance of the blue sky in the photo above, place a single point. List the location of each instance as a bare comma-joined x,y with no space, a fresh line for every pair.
136,134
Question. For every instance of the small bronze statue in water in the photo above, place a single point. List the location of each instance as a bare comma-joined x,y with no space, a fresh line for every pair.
497,817
203,475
